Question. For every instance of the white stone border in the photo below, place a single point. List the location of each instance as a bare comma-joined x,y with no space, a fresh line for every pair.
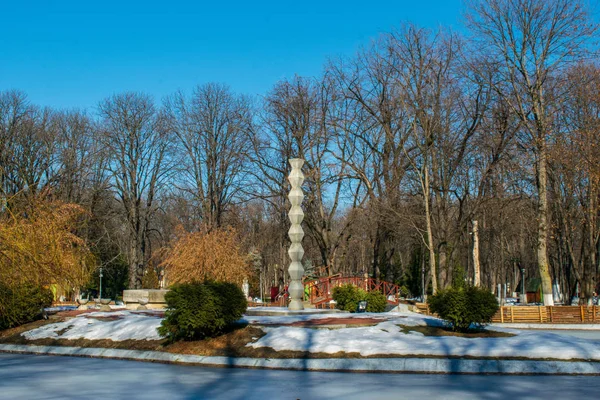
399,365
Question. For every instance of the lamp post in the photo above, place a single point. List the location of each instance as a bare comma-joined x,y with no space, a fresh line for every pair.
100,294
523,294
423,283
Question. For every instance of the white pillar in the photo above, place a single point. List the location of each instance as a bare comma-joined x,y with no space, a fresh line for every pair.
296,270
499,293
476,265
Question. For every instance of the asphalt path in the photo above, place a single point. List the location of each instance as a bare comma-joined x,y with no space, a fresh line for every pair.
54,377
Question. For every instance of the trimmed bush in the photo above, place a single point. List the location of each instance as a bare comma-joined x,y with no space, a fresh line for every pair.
463,307
348,296
376,302
233,297
200,310
483,305
22,304
404,291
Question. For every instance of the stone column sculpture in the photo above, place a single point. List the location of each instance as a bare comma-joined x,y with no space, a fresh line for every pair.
296,270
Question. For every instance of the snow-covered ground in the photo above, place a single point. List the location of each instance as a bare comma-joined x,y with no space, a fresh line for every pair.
129,325
388,338
385,338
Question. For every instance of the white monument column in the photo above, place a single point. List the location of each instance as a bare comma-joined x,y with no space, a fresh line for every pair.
296,270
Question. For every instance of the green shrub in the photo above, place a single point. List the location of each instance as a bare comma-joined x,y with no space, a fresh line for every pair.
200,310
404,291
483,305
22,304
234,300
376,302
462,307
348,296
459,277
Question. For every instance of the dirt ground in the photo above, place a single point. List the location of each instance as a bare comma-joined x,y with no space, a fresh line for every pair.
437,331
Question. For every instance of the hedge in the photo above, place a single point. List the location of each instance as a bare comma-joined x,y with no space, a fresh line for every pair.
348,296
464,307
22,304
200,310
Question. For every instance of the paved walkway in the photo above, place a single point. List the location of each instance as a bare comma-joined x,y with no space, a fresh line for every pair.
50,377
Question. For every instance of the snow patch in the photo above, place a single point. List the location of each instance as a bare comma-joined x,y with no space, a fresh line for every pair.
385,338
130,325
388,338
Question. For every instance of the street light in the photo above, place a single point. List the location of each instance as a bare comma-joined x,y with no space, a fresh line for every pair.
100,294
423,283
523,296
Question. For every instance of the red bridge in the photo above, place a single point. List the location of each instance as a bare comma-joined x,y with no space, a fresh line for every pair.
320,290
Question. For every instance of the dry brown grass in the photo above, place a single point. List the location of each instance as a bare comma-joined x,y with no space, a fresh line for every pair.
437,331
7,333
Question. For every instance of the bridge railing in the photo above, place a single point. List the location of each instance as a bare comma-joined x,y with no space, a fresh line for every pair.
321,290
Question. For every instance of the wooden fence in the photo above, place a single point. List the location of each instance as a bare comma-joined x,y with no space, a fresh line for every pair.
541,314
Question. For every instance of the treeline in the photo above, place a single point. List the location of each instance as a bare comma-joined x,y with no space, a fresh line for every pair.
406,144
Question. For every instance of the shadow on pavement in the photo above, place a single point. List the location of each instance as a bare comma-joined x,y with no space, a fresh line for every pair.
51,377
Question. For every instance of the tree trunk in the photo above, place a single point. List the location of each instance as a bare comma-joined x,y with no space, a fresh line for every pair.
592,210
376,253
444,273
542,247
430,244
136,258
135,281
476,264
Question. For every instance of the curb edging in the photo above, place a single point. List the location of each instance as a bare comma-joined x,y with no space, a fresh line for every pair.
391,365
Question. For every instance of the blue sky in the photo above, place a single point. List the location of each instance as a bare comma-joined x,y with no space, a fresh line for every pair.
72,54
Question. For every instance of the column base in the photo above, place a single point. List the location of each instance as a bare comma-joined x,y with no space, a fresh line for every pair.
295,305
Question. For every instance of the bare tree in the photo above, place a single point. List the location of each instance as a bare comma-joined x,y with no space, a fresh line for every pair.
14,109
301,120
75,155
443,110
376,136
575,180
136,144
531,41
212,128
27,146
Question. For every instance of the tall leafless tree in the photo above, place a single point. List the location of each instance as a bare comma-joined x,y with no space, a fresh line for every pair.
532,41
212,128
136,142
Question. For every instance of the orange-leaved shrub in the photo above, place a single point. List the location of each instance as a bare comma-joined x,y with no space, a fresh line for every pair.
39,246
198,256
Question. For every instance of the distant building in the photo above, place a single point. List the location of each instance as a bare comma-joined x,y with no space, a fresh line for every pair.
533,289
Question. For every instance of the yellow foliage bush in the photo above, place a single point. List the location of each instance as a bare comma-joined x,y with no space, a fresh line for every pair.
38,246
150,279
198,256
